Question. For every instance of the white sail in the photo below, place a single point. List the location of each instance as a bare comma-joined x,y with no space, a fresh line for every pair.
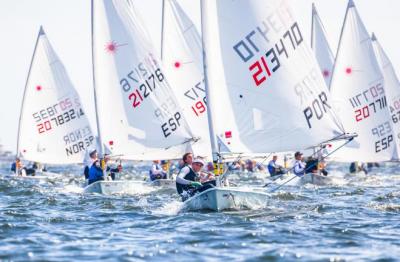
392,90
320,46
53,127
139,116
357,88
182,61
266,92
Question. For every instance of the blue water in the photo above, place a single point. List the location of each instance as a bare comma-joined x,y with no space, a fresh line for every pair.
353,219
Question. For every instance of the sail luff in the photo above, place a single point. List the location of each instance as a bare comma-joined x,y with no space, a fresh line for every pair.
41,32
96,102
162,29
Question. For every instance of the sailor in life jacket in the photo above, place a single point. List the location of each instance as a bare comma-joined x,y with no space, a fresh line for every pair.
96,172
273,168
187,181
299,167
22,170
93,156
156,171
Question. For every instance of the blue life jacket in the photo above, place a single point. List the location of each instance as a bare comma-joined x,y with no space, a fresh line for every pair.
152,175
271,168
14,167
95,173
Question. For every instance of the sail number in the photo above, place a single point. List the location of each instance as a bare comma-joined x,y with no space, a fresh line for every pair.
196,94
270,62
59,120
57,114
371,108
385,137
138,95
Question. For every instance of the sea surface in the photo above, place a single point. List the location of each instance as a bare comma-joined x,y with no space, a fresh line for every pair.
355,218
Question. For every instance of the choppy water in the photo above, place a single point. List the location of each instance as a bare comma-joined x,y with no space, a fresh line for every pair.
353,219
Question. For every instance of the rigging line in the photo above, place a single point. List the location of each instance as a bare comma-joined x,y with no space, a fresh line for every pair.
311,166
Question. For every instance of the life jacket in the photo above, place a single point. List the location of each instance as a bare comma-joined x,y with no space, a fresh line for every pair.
191,176
158,167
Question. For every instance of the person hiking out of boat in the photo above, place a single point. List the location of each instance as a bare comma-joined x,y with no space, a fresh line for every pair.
299,167
93,156
275,169
110,169
187,181
156,171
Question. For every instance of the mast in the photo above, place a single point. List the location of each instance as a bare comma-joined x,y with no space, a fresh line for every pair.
41,32
162,29
101,149
213,138
314,12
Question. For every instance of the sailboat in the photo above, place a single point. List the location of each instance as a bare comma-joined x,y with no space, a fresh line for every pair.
392,90
53,127
264,88
359,95
138,115
320,46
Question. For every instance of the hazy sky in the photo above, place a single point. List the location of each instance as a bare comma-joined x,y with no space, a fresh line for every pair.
67,24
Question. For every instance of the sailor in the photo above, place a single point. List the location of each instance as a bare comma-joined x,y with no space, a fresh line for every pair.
95,172
356,167
299,167
93,156
187,181
312,165
275,169
187,159
156,171
16,165
22,170
111,170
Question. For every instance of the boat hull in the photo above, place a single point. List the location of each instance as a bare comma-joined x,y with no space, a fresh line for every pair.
164,183
112,187
315,179
220,199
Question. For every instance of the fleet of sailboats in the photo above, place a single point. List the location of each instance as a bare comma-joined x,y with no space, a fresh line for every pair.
253,87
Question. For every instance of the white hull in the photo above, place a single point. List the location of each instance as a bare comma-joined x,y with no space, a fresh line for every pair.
39,176
219,199
315,179
164,183
113,187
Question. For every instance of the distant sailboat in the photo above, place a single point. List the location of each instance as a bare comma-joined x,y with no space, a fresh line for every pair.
320,46
265,92
392,90
53,127
358,90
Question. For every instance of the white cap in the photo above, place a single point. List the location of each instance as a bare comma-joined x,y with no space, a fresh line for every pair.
198,160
